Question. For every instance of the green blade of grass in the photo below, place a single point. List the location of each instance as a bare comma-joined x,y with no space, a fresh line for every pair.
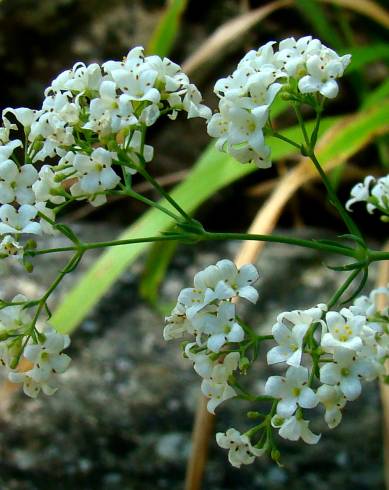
363,55
377,95
156,265
316,15
163,37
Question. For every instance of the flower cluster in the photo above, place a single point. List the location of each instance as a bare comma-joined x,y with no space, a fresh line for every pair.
299,68
86,140
240,449
207,312
42,350
346,347
341,349
375,192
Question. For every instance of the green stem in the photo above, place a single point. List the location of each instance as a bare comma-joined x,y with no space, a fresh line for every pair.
149,202
352,227
163,193
343,288
376,256
93,245
302,123
281,239
287,140
310,152
42,301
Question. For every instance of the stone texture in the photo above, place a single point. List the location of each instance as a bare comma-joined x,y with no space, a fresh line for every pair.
122,417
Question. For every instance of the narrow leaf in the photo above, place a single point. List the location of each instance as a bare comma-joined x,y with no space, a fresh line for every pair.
365,7
155,268
164,35
316,15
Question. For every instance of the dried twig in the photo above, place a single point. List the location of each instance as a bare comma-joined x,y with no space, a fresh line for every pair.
383,280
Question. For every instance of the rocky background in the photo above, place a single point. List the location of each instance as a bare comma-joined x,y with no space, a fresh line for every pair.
122,418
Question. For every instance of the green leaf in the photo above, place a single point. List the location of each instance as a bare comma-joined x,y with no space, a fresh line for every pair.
363,55
213,171
164,35
316,15
377,95
363,129
155,268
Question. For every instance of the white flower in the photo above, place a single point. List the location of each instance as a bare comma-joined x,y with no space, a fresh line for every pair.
344,331
222,281
346,372
292,54
293,428
223,327
19,221
47,214
222,370
247,154
289,332
380,192
191,103
216,387
169,73
245,126
217,393
10,247
323,68
177,324
8,148
96,174
333,400
78,79
48,361
367,305
5,129
246,96
360,192
15,317
137,85
202,363
291,390
218,128
46,188
47,357
110,112
24,115
15,183
31,387
236,282
240,449
134,148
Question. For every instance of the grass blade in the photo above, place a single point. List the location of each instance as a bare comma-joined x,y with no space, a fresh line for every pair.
163,37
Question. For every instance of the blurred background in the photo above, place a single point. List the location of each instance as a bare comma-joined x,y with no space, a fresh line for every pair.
123,417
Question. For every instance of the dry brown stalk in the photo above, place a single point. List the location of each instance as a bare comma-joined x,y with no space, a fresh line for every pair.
365,7
383,280
227,34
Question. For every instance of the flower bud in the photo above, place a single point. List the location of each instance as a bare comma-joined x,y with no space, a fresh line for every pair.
253,415
244,364
30,244
14,362
28,266
275,455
